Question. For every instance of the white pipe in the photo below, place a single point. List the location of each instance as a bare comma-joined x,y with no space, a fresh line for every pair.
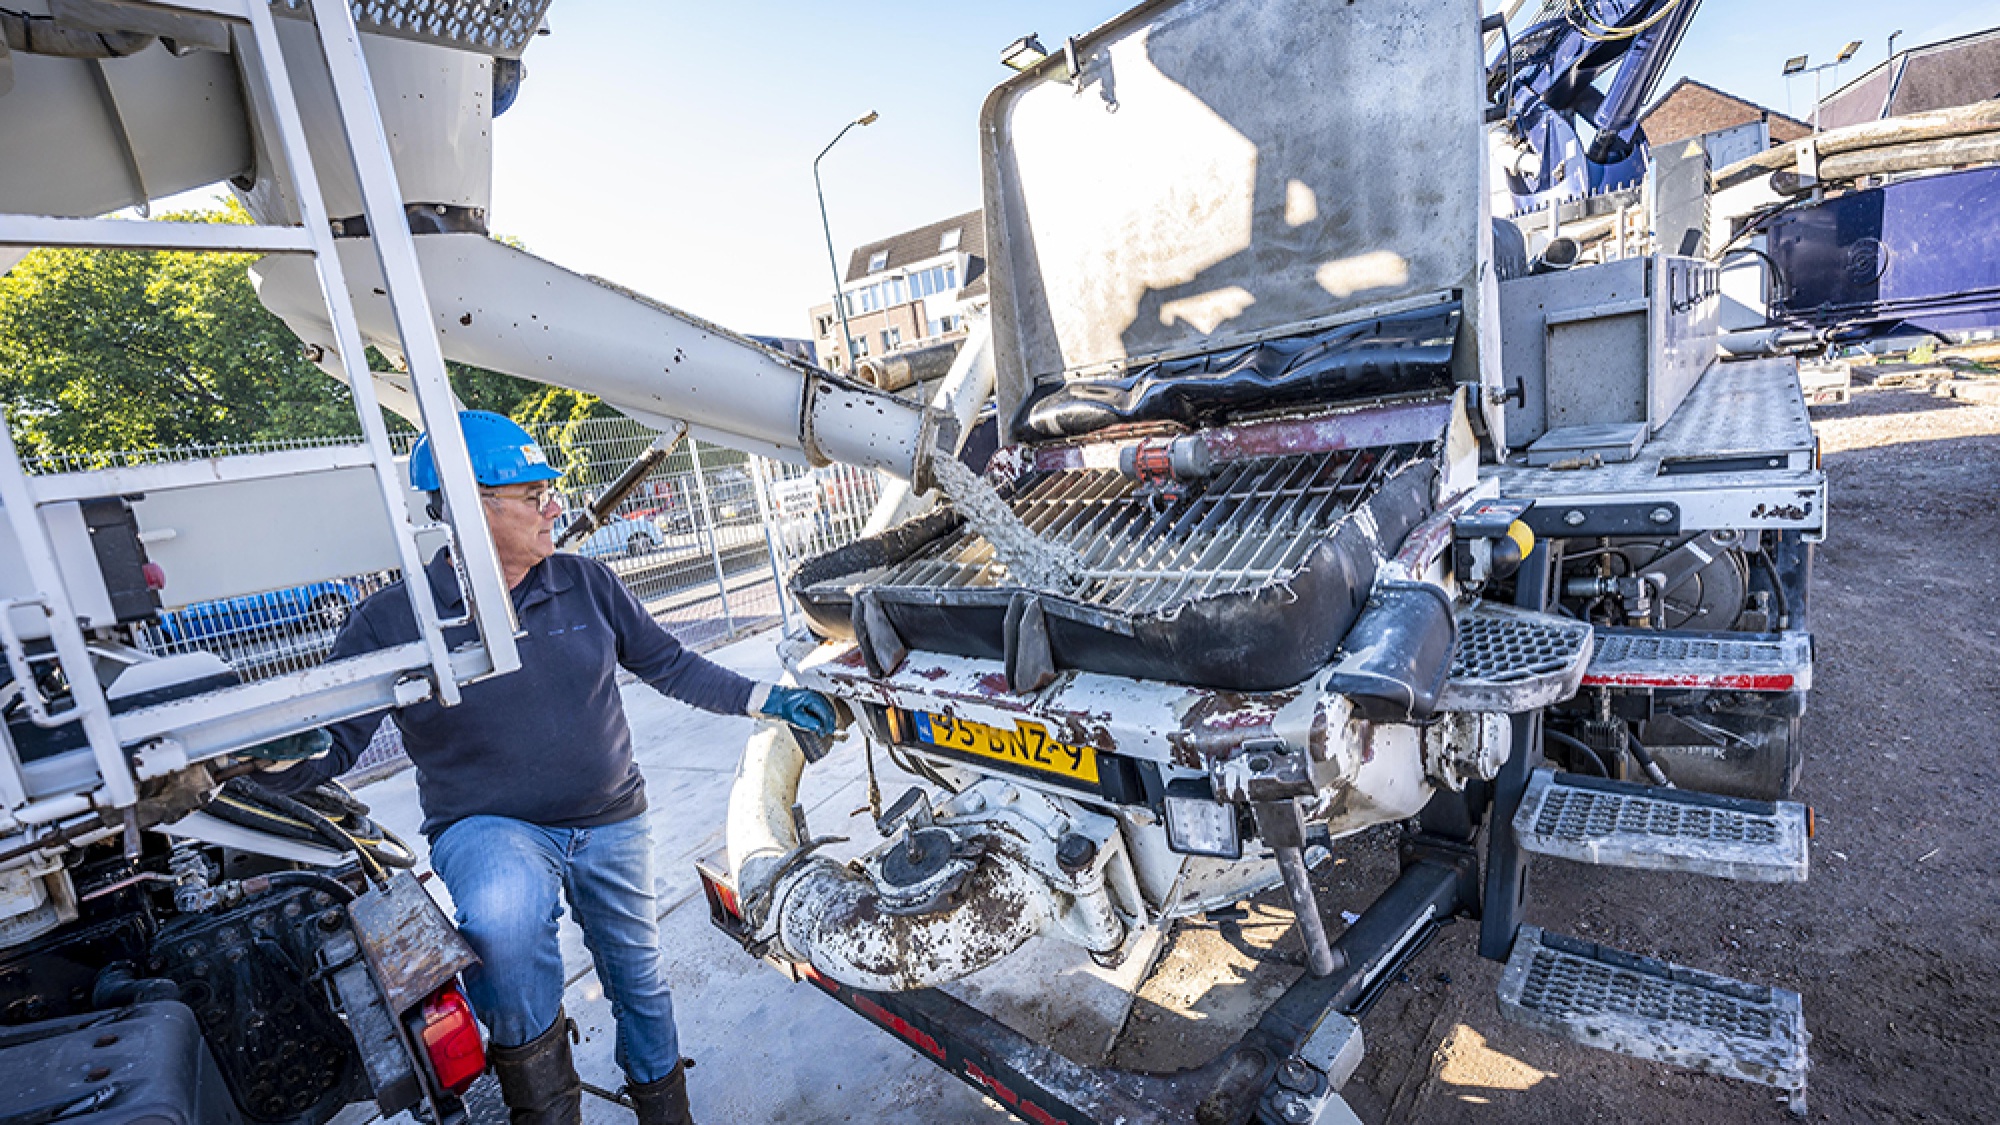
506,310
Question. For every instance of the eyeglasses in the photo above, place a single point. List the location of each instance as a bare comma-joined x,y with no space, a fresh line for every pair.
538,499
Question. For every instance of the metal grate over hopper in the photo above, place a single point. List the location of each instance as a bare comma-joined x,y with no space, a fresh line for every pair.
1253,523
1244,580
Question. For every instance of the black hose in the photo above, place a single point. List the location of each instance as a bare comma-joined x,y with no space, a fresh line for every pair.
1763,557
245,789
313,879
251,815
1646,760
1577,744
346,814
1777,273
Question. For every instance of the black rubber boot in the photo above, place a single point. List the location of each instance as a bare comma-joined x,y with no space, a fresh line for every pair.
664,1101
538,1080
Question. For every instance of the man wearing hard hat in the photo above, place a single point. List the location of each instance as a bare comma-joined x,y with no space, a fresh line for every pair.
530,792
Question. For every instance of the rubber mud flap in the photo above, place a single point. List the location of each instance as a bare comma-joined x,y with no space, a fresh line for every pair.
1031,665
881,647
1398,653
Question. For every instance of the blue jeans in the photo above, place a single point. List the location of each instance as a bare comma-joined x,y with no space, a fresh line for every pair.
505,876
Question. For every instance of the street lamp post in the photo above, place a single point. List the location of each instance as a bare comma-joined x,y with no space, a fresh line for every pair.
1797,65
839,303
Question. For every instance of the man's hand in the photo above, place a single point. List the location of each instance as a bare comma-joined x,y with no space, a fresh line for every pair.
807,710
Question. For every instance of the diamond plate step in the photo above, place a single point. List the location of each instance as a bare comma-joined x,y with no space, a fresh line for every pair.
1513,660
1650,658
1655,1010
1618,824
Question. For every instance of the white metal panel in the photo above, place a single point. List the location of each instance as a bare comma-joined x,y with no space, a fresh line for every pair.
122,480
36,230
244,537
65,144
437,110
1230,169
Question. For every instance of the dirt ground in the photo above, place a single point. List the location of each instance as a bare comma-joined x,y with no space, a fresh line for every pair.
1894,943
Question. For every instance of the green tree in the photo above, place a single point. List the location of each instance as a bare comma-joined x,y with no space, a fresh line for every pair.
106,351
114,350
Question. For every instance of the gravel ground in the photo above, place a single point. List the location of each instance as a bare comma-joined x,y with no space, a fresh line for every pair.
1893,943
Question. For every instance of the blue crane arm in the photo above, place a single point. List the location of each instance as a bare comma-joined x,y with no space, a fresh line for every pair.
1547,78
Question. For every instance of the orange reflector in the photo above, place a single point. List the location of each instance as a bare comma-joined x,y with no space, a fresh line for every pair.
1812,823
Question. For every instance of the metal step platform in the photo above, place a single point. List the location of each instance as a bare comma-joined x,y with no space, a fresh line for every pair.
1618,824
1650,658
1655,1010
1513,660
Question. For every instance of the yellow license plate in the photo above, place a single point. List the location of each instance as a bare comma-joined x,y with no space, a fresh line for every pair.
1028,745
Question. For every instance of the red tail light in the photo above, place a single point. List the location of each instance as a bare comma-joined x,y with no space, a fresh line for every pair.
727,894
451,1038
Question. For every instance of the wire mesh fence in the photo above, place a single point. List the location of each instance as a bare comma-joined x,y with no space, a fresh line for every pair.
705,541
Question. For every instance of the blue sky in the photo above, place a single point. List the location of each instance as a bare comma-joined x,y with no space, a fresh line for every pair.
668,146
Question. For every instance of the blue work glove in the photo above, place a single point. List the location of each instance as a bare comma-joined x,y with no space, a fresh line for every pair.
807,710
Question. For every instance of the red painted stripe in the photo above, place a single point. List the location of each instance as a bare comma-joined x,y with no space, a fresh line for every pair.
899,1025
1739,681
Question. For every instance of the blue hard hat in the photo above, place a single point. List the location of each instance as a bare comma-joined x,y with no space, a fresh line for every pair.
502,453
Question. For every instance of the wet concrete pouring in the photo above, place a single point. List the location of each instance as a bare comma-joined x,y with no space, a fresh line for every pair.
1893,943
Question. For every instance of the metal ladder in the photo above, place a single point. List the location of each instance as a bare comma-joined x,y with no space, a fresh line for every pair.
170,736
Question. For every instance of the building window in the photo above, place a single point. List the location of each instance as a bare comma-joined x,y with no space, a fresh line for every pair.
949,241
878,260
826,326
940,325
890,338
861,346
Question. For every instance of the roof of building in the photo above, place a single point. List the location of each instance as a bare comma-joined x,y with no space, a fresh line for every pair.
1691,109
923,243
1938,75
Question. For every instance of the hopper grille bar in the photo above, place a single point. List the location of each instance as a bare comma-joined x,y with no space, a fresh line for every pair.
1250,524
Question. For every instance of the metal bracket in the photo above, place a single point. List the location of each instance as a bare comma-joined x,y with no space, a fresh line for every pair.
1554,519
22,666
913,806
1265,770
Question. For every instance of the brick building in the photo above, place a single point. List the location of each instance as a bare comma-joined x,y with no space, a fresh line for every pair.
909,289
1733,128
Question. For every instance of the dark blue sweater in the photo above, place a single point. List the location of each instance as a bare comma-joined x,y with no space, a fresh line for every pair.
547,744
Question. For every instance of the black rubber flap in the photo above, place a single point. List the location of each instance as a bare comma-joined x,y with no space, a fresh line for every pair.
1389,355
1398,653
1031,663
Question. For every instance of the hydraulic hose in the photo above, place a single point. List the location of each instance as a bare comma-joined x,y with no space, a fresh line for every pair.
244,790
1646,762
1583,750
341,892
